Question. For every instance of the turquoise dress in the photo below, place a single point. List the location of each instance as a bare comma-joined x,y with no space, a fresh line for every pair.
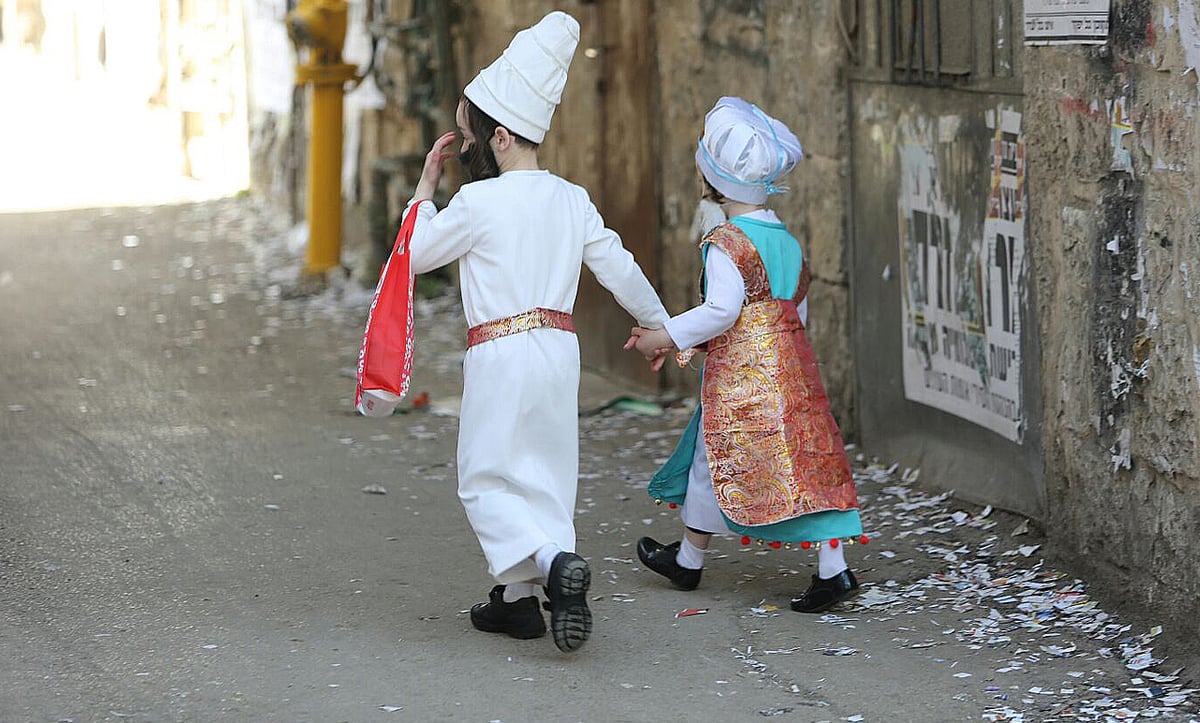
783,260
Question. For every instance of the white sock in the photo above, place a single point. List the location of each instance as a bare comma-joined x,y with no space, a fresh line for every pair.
514,591
830,561
544,558
689,556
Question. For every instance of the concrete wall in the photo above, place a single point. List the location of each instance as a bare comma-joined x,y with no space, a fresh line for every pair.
1111,138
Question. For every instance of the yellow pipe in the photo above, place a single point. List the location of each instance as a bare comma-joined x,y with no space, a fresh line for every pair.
324,206
320,25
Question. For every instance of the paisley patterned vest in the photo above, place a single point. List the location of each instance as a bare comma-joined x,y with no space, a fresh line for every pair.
774,448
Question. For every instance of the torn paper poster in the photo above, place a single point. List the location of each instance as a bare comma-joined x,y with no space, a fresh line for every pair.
1055,22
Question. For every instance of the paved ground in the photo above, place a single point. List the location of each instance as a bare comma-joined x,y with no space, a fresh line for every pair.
184,533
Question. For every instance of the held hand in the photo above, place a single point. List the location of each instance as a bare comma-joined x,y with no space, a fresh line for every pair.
654,344
642,339
650,343
634,334
431,173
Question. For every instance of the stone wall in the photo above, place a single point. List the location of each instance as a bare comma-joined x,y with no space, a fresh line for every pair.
1113,168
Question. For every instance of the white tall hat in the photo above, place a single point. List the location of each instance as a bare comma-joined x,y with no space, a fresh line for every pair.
523,87
745,152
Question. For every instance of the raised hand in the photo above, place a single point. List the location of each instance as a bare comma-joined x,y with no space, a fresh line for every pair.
431,173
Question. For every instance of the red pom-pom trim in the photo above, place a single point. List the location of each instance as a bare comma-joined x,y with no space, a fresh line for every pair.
672,505
863,540
834,543
745,540
805,545
777,544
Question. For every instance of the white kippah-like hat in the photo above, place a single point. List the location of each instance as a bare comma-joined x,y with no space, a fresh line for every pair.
523,87
745,152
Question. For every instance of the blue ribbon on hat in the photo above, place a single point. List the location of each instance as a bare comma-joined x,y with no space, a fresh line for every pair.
767,183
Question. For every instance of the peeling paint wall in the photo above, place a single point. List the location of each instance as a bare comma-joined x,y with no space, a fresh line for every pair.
1114,217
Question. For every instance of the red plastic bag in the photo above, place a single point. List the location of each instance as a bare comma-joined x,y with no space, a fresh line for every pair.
385,359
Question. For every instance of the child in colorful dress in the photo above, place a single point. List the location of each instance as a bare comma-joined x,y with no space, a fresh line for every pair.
762,456
521,235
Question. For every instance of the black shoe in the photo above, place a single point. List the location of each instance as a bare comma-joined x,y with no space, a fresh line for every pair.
567,586
521,619
824,594
661,559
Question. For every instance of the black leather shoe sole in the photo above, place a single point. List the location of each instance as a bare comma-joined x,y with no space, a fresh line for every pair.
660,558
567,586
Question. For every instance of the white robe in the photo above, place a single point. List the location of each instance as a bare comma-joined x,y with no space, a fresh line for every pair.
724,295
520,241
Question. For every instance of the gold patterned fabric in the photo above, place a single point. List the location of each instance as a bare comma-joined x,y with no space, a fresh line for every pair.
774,448
533,319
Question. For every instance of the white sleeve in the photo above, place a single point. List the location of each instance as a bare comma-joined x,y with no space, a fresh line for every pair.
439,237
724,294
617,270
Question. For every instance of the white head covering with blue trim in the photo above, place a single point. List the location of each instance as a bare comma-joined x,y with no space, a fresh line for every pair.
745,152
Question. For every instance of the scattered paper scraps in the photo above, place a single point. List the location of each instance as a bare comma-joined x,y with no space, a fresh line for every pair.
772,712
840,652
959,570
763,609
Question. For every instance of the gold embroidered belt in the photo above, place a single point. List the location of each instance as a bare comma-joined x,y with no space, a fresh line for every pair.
533,319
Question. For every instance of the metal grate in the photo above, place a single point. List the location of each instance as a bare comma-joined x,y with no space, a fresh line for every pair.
938,42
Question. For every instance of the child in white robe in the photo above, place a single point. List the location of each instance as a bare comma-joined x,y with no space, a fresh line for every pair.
521,235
